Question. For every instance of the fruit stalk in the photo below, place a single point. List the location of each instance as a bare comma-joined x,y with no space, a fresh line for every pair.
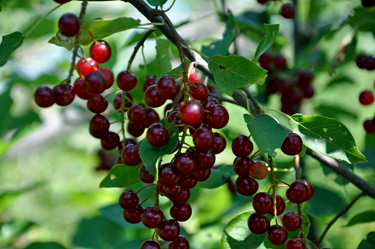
274,185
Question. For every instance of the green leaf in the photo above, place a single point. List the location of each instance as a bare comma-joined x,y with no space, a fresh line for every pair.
156,3
121,176
266,131
369,242
363,20
365,217
45,245
150,154
99,29
335,111
218,177
8,45
161,64
271,33
325,201
233,71
237,235
327,136
13,229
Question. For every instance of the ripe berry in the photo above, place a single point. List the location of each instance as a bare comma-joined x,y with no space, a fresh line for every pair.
188,181
368,3
145,176
292,144
169,230
152,217
305,77
181,211
152,118
150,244
310,189
279,61
126,81
100,51
80,90
291,221
157,135
198,90
44,96
308,92
201,175
262,1
258,223
370,63
369,126
242,146
219,143
97,104
297,192
172,190
110,141
86,66
258,170
203,139
118,100
241,165
218,117
69,25
135,130
128,199
185,163
137,113
182,197
95,83
180,243
246,185
277,234
295,243
361,61
167,87
192,113
287,10
262,203
205,160
108,76
64,94
366,98
130,155
167,174
280,206
99,125
152,98
209,103
151,81
133,215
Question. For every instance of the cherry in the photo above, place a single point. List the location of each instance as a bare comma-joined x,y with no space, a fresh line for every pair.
280,61
188,181
295,96
118,100
305,77
198,90
135,130
157,135
241,165
151,81
262,203
292,144
285,85
152,98
152,217
99,125
195,76
246,185
137,113
130,155
150,244
297,192
97,104
192,113
369,126
152,118
218,117
86,66
64,94
295,243
108,76
69,25
180,243
258,170
110,141
287,10
310,189
182,197
201,175
308,92
258,223
205,160
119,161
185,163
167,87
167,174
126,81
370,63
272,86
242,146
209,103
44,96
169,230
291,221
133,215
280,206
366,98
172,190
95,82
277,234
145,175
203,139
181,211
100,51
128,199
62,1
361,61
80,90
262,1
219,143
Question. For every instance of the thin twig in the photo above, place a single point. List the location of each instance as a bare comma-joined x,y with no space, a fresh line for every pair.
219,97
252,99
139,44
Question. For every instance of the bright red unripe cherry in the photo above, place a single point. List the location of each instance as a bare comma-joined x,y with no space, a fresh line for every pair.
366,98
150,244
242,146
291,221
218,117
258,170
198,90
69,25
297,192
100,51
258,223
180,243
86,66
133,215
64,94
95,82
287,10
195,76
192,113
277,234
152,217
126,81
44,96
80,90
169,230
292,144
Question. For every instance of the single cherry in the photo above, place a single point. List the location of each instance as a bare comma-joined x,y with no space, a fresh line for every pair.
110,141
97,104
86,66
151,81
297,192
69,25
126,81
169,230
152,217
295,243
292,144
287,10
133,215
366,98
137,113
128,199
258,223
180,243
167,174
185,163
192,113
95,82
246,185
145,175
198,90
167,87
280,206
181,211
258,170
44,96
130,155
242,146
157,135
64,94
219,143
80,90
100,51
291,221
277,234
150,244
262,203
218,117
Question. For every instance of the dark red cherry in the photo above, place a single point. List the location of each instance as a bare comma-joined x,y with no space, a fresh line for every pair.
305,77
110,141
369,126
218,117
219,143
69,25
277,234
287,10
201,175
152,118
262,1
291,221
95,82
150,244
180,243
246,185
182,197
370,63
99,124
209,103
128,199
108,76
136,130
62,1
203,139
368,3
97,104
241,165
133,215
172,190
137,113
152,80
167,87
310,189
157,135
279,61
280,206
130,155
44,96
145,175
361,61
169,230
100,51
181,211
292,144
258,223
205,160
185,163
126,81
188,181
86,66
366,98
167,174
152,217
192,113
64,94
242,146
295,243
80,90
118,100
198,90
297,192
152,98
262,202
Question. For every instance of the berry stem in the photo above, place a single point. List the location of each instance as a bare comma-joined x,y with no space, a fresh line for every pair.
88,31
274,185
219,97
44,17
146,199
144,187
136,48
283,182
182,140
109,94
298,176
338,216
123,117
170,6
311,243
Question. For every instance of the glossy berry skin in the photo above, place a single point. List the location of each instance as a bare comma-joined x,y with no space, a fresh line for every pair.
361,61
297,192
167,174
97,104
305,77
242,146
110,141
205,160
181,211
198,90
80,90
130,155
192,113
366,98
157,135
280,206
262,203
310,189
182,197
118,100
151,81
150,244
246,185
185,163
135,130
203,139
169,230
99,124
44,96
100,51
126,81
277,234
145,175
152,118
279,61
128,199
86,66
69,25
95,83
133,215
201,175
167,87
180,243
292,144
295,243
152,98
370,63
262,1
241,165
258,223
209,103
219,143
108,76
287,10
64,94
137,113
369,126
258,170
291,221
218,117
172,190
152,217
188,181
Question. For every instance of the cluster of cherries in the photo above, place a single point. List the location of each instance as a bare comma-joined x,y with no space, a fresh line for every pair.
287,10
292,90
